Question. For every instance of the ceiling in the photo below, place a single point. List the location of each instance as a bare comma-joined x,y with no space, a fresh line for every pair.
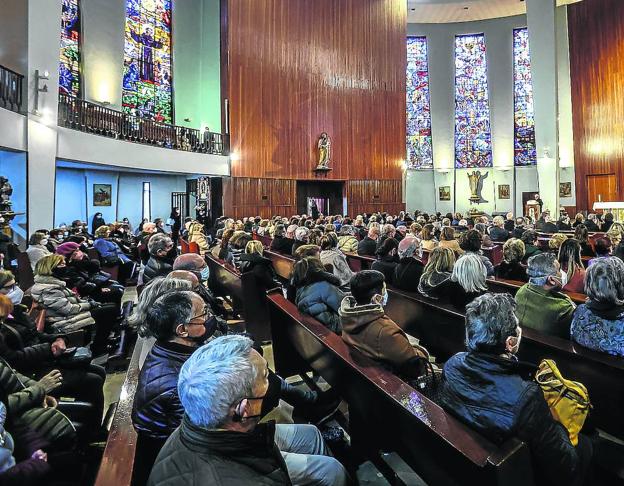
443,11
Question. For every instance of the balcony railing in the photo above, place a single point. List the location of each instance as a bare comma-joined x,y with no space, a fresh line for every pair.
11,89
92,118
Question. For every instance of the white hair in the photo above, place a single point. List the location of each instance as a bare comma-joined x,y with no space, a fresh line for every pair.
470,272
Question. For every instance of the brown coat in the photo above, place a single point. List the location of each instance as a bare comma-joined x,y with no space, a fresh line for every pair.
368,329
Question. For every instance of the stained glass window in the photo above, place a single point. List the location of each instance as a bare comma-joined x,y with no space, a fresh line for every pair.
473,138
419,146
524,120
147,76
69,65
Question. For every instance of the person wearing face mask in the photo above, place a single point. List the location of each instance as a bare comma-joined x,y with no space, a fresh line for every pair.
541,304
37,248
111,254
55,238
366,327
97,221
162,255
223,389
488,389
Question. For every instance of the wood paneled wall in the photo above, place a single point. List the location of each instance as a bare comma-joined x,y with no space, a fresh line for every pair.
247,196
297,68
596,31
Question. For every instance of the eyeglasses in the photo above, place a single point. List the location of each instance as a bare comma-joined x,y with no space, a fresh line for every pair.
204,314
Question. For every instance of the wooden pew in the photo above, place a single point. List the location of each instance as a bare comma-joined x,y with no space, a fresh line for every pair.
441,329
385,413
511,286
282,264
25,275
117,466
359,262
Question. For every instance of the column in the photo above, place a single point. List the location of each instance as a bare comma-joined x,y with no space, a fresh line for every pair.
543,46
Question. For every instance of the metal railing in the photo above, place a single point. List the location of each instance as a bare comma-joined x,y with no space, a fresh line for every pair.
11,89
100,120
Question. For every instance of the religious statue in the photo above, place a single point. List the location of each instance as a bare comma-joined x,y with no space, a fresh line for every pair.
146,60
324,149
475,180
6,190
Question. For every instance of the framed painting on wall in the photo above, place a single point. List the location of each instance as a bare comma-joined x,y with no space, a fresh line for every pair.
445,193
102,194
565,189
503,191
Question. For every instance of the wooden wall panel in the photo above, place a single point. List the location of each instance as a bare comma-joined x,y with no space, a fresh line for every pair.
297,68
596,31
244,196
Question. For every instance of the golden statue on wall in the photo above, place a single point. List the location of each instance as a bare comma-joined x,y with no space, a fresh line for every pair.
324,152
475,181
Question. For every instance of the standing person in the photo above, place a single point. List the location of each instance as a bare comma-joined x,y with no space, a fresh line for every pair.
314,212
96,222
176,220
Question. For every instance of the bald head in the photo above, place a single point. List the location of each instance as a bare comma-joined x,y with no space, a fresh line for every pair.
189,261
185,275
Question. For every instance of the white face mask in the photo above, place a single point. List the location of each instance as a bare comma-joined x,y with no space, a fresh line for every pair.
16,295
44,242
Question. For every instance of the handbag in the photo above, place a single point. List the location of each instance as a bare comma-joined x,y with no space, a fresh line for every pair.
568,400
100,279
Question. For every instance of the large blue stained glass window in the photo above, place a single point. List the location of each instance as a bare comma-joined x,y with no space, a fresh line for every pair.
473,138
147,77
69,65
419,145
524,120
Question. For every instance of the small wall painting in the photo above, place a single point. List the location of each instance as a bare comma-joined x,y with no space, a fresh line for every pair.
565,189
503,191
102,194
445,193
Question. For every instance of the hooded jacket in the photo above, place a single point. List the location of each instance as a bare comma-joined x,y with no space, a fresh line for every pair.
368,329
196,235
261,267
321,298
338,261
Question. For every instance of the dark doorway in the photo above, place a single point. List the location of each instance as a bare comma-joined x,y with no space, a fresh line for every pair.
327,194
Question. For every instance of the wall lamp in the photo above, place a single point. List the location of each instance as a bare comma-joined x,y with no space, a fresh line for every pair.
39,89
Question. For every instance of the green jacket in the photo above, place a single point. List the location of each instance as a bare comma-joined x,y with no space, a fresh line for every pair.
544,311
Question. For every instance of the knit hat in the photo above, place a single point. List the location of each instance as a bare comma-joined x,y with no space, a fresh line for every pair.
66,249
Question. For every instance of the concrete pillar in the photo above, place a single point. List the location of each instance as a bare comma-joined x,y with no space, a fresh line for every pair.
541,19
44,31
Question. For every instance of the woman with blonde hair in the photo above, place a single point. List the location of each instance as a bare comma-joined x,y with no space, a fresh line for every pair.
437,272
447,240
428,239
511,267
254,261
556,241
196,235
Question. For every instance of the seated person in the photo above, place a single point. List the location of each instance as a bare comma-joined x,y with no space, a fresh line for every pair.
591,223
196,235
317,292
599,323
529,237
486,389
520,228
511,267
253,261
302,236
386,231
437,273
331,255
572,266
111,254
37,248
366,327
540,303
347,242
307,251
509,225
409,269
563,224
467,281
447,240
162,255
225,388
603,250
428,241
222,249
238,242
387,259
555,242
280,243
470,242
368,245
497,232
547,226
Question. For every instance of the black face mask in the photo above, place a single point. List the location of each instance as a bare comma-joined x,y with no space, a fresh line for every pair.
60,272
270,400
210,326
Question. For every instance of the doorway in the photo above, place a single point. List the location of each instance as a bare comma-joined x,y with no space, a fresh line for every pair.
328,196
601,187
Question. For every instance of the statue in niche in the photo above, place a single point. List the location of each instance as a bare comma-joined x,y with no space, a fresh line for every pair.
475,180
6,190
324,152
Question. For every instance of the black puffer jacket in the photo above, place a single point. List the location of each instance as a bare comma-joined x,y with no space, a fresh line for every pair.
157,410
157,267
488,393
220,458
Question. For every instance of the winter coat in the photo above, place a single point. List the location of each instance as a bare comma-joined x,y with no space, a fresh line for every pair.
348,244
386,265
321,299
407,274
36,253
529,251
157,410
367,246
338,261
194,455
512,271
600,327
434,286
28,471
281,244
96,223
157,267
368,329
65,311
196,235
489,393
498,234
545,311
261,267
109,250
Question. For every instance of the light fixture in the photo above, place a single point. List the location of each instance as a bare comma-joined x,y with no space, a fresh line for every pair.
39,89
234,156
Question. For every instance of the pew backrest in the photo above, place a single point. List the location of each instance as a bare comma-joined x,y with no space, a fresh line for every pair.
25,275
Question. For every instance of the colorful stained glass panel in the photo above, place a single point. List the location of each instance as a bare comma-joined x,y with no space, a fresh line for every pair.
473,137
69,65
419,145
147,77
525,152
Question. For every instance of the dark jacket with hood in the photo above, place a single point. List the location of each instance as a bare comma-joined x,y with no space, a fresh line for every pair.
157,267
386,265
407,274
435,286
157,410
320,298
489,393
261,267
368,329
194,455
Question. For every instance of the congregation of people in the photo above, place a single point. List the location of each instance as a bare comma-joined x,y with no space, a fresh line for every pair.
204,387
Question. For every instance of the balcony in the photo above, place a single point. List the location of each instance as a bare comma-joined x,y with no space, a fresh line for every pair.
11,90
92,118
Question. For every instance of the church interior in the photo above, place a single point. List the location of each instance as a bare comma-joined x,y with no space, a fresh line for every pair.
311,242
